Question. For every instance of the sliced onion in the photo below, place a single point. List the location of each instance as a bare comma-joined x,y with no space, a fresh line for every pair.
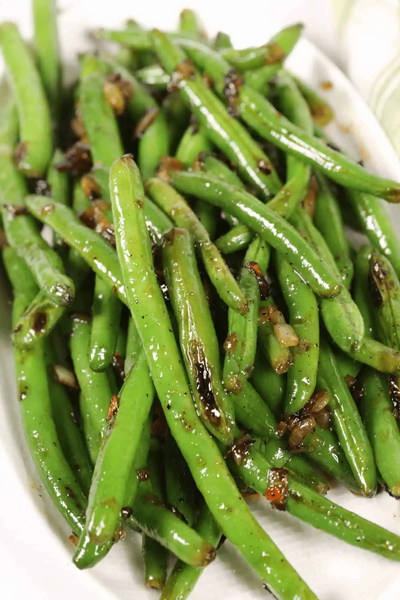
65,377
286,334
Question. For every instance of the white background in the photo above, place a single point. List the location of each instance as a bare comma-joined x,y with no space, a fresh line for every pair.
33,560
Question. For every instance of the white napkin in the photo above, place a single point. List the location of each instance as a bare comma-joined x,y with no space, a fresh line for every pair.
369,36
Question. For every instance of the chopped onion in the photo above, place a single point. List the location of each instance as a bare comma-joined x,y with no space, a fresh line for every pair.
286,334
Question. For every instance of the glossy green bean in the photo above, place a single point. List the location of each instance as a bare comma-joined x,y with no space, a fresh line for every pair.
378,356
68,432
154,77
271,227
261,116
132,346
227,134
252,412
347,422
47,50
183,578
175,206
40,432
304,318
323,514
153,323
242,329
34,150
346,364
37,321
376,224
125,425
198,340
328,220
341,316
9,125
106,316
279,357
98,253
89,431
385,298
180,488
94,386
321,111
377,411
362,288
268,384
222,41
275,51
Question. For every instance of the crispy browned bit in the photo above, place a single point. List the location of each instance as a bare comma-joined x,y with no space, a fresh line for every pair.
15,211
274,54
264,166
278,486
281,428
77,158
3,239
143,474
232,85
323,418
90,187
113,408
254,268
126,512
117,92
118,364
39,322
350,381
317,402
274,315
119,534
394,393
47,209
77,124
311,197
185,70
108,234
74,539
305,426
204,383
145,122
168,163
207,79
231,343
20,152
42,188
94,218
64,376
326,85
198,164
240,448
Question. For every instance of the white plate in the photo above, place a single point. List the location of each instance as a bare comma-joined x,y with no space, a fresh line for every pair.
35,554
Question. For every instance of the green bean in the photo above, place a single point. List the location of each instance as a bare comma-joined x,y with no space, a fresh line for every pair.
242,329
94,386
9,125
341,316
323,514
153,323
156,220
183,577
98,253
189,23
385,296
261,116
346,364
155,556
377,411
125,425
132,346
216,167
321,111
47,50
154,77
68,432
45,264
197,337
106,316
238,238
328,220
177,208
57,180
34,151
275,51
222,41
90,433
180,488
227,134
304,318
40,432
192,143
268,384
377,225
178,116
37,321
271,227
378,356
347,422
252,412
362,288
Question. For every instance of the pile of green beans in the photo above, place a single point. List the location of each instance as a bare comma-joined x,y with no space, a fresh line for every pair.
199,326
